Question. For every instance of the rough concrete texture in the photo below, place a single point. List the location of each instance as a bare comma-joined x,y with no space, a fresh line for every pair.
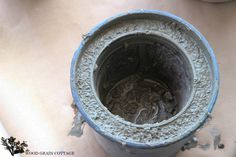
190,117
38,39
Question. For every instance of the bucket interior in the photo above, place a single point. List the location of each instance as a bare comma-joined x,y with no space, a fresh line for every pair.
143,78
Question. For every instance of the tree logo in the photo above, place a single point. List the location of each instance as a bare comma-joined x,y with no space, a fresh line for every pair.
14,146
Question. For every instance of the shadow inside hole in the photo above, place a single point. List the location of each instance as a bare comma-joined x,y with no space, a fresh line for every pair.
143,78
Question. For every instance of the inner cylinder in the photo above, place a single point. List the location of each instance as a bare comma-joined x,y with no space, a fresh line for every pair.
143,78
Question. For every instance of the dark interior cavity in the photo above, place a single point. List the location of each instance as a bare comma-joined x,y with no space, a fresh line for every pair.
143,78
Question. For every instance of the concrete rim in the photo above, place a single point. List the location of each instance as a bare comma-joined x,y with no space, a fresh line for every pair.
161,13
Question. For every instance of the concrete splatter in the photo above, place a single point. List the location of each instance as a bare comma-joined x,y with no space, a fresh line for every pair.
216,138
204,146
78,124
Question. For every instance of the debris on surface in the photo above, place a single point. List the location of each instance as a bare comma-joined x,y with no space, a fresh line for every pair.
221,146
75,109
140,100
216,138
78,124
204,146
190,144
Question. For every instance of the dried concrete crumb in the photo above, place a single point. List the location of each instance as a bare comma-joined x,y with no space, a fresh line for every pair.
75,109
204,146
190,144
78,123
221,146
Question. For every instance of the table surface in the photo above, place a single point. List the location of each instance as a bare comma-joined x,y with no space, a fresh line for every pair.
37,42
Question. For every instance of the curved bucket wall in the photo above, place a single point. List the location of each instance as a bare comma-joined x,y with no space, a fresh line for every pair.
144,81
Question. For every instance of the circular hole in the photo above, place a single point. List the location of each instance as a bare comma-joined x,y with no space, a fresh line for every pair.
143,78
